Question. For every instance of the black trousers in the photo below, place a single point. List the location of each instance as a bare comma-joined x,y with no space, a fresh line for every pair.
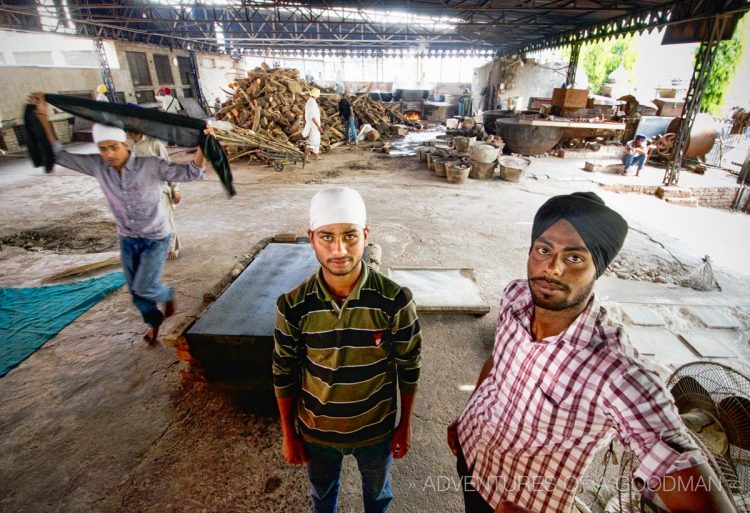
473,502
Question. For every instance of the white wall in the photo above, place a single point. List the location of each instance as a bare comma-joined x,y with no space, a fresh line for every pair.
408,71
68,64
531,79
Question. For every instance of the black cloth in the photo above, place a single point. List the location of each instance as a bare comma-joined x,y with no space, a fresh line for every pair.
173,128
602,229
345,109
37,144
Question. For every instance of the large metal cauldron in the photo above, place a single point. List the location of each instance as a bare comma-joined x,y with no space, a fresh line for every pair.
527,139
490,116
702,136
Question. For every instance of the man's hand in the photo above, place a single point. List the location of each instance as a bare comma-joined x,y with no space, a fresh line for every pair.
293,449
37,99
453,437
176,197
401,440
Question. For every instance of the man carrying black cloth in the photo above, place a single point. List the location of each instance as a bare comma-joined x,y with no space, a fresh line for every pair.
132,187
563,380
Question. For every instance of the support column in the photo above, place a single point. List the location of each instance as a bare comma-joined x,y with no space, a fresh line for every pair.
570,78
105,70
196,82
704,60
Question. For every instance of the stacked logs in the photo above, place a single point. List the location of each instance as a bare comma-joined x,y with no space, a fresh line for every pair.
270,103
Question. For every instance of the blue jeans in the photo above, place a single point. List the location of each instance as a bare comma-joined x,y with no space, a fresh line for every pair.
629,160
351,130
142,263
324,472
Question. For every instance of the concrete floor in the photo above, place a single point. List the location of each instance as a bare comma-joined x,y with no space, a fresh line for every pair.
95,421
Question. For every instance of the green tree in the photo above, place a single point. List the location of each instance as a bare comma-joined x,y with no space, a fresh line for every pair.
728,56
601,58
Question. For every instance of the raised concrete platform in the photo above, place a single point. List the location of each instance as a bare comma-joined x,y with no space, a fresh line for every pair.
234,337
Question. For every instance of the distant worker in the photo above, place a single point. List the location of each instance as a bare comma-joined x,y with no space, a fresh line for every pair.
101,93
217,105
146,146
168,102
636,152
346,111
312,130
464,103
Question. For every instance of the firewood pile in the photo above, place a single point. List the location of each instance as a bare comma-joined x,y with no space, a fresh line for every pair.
268,109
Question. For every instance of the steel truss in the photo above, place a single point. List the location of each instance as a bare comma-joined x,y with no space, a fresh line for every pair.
573,65
704,60
506,27
105,70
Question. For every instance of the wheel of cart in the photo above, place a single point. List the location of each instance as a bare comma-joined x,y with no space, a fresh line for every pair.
278,166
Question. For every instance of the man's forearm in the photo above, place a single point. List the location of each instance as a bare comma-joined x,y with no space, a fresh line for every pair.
287,407
200,159
695,490
47,127
407,406
486,368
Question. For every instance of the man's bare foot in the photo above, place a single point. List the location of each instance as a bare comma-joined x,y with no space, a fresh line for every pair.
318,158
172,255
152,333
169,308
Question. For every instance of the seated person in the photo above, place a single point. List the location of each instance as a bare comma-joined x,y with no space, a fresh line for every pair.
636,152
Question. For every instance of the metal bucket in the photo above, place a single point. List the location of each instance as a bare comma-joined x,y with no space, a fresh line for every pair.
512,168
456,171
484,153
439,164
482,170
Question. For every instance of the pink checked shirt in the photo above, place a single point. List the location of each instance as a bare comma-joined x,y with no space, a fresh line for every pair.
532,427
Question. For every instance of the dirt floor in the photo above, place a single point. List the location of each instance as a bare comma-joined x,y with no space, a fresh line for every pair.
96,422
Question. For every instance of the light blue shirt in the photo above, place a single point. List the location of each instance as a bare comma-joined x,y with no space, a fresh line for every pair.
135,193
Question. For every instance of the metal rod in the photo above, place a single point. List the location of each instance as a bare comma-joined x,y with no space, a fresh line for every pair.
743,181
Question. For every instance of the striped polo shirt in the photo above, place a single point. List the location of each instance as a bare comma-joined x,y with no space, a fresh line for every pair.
345,363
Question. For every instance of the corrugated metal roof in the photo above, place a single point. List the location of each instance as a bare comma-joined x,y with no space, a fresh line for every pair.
505,26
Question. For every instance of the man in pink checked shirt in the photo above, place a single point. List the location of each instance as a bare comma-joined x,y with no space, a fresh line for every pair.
563,380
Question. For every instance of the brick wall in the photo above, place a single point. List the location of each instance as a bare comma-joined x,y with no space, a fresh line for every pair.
11,141
712,197
715,197
62,130
627,187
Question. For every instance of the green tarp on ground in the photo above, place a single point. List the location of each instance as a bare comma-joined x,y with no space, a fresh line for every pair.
29,317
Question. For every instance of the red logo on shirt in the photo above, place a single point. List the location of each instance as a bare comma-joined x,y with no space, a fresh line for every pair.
378,338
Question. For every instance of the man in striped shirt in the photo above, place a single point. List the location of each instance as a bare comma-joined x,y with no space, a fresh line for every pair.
563,380
346,340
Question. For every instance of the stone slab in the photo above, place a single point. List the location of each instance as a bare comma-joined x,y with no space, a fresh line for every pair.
598,166
714,317
442,290
642,315
710,344
662,346
248,307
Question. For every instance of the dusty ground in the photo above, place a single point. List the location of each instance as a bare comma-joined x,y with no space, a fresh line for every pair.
95,421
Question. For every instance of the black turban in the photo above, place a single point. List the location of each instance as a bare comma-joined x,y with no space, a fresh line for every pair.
602,229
